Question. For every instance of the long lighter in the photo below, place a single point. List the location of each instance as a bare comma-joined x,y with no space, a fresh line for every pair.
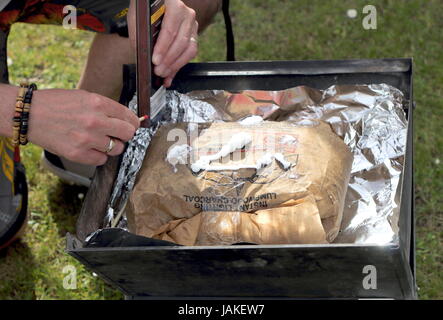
149,16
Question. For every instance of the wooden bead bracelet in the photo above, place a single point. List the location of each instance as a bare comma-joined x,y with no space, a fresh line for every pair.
21,115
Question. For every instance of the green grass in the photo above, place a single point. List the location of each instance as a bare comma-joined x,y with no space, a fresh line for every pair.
265,30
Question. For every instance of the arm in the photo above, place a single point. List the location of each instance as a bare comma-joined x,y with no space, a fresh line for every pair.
74,124
8,95
205,10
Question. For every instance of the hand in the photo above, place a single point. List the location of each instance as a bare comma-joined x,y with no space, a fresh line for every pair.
177,42
79,125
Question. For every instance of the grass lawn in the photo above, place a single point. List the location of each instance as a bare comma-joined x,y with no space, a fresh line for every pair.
265,30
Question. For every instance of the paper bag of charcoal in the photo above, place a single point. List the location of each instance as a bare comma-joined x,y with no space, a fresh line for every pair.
256,182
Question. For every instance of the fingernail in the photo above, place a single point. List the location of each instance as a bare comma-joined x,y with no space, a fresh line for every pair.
156,59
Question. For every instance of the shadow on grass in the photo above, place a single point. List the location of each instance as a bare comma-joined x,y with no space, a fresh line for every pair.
17,266
65,203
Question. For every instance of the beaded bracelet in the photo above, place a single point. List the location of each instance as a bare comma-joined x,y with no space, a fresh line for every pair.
19,105
21,115
25,115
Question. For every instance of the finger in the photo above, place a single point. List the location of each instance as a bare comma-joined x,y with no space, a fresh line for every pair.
177,48
168,81
82,141
115,110
94,158
87,156
119,129
189,54
104,143
170,28
102,125
118,149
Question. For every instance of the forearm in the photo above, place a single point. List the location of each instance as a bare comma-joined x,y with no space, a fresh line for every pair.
8,95
205,10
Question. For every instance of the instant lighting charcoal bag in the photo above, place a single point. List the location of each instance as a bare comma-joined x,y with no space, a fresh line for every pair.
263,183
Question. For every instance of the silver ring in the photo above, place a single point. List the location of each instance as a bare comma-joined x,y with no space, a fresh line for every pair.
110,146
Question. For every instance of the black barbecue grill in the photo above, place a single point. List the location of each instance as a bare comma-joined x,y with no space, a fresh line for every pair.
147,270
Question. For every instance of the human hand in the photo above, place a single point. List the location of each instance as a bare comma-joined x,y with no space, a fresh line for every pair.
177,42
79,125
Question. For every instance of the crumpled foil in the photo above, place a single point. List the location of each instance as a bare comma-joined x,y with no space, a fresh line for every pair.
179,108
370,119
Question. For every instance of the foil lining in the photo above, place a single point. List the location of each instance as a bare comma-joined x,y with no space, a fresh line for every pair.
179,108
370,119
